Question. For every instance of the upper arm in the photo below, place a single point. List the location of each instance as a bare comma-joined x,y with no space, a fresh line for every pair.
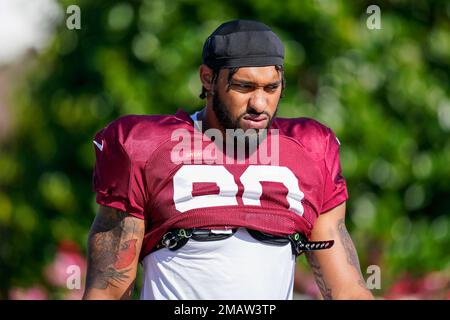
114,244
337,270
116,235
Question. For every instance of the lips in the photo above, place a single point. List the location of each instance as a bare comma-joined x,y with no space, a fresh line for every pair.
257,118
255,121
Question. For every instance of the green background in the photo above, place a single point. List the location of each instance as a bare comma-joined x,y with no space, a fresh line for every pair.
384,92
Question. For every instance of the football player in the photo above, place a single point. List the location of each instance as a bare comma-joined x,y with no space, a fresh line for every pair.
213,224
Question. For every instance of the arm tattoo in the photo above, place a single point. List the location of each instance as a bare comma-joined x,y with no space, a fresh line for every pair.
112,250
315,266
350,251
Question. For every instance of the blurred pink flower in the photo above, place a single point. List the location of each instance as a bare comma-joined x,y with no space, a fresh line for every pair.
435,281
402,289
311,288
434,285
68,254
32,293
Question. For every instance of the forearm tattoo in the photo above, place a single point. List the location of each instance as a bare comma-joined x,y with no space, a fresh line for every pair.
112,250
318,275
350,251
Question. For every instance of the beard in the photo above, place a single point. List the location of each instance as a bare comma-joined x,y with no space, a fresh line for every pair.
250,139
226,120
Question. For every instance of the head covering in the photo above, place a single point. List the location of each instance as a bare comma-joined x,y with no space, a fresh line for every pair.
242,43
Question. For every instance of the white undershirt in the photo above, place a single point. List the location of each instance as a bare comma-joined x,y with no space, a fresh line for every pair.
238,267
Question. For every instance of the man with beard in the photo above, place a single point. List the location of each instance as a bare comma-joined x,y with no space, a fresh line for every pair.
232,230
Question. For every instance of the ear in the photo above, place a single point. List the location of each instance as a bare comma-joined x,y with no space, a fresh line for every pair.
206,76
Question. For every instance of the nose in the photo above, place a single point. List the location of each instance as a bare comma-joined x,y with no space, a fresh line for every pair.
257,103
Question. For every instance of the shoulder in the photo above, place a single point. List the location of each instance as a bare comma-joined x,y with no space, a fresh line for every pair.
309,133
142,125
137,135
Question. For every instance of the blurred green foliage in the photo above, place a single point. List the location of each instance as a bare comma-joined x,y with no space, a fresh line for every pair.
384,92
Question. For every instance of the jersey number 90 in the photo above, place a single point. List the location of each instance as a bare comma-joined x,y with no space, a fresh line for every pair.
251,179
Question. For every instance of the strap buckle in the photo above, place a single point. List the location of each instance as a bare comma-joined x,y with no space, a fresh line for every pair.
301,244
175,239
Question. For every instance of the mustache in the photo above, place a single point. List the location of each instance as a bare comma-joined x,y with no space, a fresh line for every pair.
269,123
254,114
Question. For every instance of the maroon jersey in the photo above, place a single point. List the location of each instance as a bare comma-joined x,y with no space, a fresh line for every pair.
135,172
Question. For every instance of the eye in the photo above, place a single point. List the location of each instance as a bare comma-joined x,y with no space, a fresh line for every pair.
241,87
272,88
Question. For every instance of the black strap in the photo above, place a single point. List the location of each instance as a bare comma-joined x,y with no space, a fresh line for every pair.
176,238
268,238
299,243
210,235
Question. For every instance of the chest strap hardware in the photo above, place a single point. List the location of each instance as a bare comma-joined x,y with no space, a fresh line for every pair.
177,238
299,243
